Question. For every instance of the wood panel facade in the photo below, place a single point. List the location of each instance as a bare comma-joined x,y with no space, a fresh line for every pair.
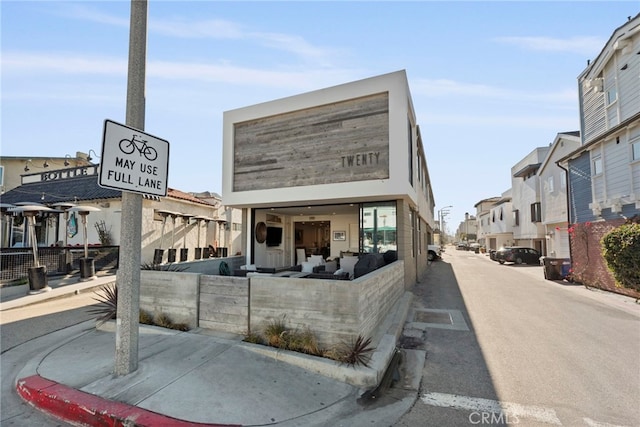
339,142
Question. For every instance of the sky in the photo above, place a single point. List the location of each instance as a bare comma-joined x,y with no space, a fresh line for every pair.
490,80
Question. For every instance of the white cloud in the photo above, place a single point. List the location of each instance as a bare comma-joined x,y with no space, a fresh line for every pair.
585,45
215,29
443,88
63,63
49,65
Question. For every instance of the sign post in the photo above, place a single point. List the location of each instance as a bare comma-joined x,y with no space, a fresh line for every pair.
128,280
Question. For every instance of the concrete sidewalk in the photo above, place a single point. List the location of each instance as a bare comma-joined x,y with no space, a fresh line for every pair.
204,378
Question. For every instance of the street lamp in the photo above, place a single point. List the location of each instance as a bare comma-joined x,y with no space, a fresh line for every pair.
466,227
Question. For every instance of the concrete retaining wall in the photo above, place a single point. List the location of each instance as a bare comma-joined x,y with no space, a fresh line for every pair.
171,293
224,303
334,310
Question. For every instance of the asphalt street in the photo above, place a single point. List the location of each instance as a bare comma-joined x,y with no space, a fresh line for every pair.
529,351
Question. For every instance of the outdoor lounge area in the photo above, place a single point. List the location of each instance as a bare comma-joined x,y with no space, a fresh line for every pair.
334,310
347,267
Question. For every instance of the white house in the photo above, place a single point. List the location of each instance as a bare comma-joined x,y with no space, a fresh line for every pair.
337,170
525,198
553,195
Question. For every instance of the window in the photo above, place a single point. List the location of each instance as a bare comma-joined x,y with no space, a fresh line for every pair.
550,184
536,212
563,179
236,226
516,218
378,229
596,165
612,95
635,150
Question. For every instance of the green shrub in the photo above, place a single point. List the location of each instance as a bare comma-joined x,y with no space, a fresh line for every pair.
621,251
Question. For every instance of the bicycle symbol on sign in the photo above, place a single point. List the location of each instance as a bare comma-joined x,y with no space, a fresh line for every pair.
128,146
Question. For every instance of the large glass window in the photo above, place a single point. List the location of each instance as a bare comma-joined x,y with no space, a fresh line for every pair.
635,150
378,227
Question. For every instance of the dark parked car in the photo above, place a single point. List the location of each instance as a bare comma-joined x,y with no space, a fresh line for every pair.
518,255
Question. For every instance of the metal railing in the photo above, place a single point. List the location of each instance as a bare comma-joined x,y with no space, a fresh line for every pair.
15,262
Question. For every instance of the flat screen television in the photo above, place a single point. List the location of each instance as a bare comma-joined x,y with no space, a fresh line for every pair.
274,236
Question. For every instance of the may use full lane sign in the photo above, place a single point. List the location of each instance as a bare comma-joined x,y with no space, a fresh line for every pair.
133,160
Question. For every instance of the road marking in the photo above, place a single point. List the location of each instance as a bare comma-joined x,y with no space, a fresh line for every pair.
593,423
514,410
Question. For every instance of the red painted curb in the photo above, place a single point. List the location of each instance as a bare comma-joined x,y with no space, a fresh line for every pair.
82,408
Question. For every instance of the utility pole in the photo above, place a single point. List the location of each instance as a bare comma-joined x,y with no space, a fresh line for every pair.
128,279
441,214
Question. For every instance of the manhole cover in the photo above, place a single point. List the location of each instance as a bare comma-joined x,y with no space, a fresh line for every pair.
433,317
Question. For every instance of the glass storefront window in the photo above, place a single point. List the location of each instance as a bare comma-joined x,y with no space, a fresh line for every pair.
378,227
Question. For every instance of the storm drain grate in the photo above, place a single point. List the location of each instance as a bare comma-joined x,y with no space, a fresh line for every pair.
433,317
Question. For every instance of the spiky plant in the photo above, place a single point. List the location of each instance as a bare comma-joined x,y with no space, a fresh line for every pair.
145,317
163,319
275,333
305,342
356,352
253,338
108,307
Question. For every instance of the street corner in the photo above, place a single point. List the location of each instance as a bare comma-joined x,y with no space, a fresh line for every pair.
78,407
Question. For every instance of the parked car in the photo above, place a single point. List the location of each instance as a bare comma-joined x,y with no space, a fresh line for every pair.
434,252
518,255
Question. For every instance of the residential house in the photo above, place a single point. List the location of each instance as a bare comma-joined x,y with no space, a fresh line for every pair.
468,229
604,172
527,226
553,195
333,171
500,223
483,222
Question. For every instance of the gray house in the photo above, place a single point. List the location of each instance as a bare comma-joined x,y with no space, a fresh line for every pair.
604,172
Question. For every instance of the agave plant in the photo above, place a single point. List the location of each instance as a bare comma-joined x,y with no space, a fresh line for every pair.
108,307
357,352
